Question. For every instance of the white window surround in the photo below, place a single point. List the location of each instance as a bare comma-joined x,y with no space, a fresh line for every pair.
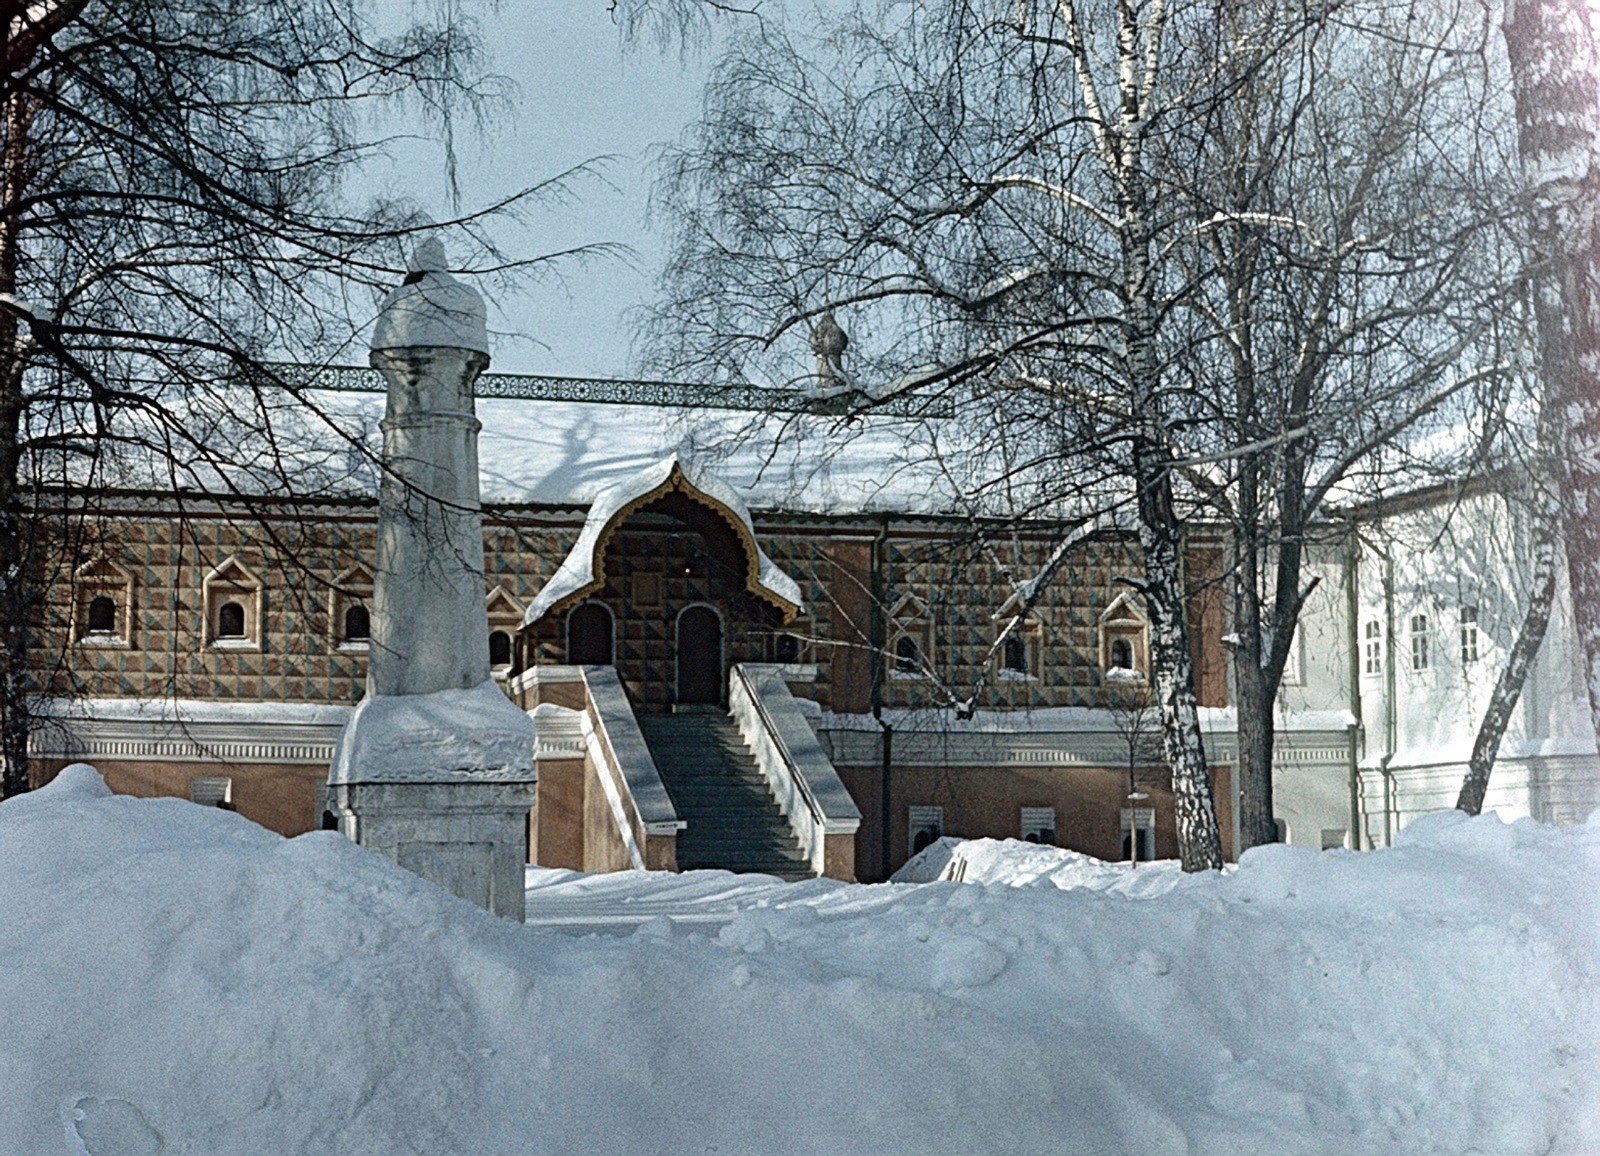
1468,618
1029,632
353,586
102,578
1141,821
504,611
232,582
1124,640
211,791
1038,825
923,820
910,618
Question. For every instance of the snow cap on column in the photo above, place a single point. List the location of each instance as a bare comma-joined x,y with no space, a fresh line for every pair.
432,308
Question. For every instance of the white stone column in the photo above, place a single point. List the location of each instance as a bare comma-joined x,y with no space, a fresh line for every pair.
430,630
435,767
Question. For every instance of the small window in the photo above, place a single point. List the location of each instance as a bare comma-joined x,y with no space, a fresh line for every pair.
1333,838
231,601
1469,635
910,640
212,791
499,648
1039,825
1124,641
230,620
927,827
1121,654
786,649
1421,652
1016,654
357,624
1139,834
1373,648
907,656
102,615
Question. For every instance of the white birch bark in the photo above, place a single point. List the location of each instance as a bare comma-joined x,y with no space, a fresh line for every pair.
1556,81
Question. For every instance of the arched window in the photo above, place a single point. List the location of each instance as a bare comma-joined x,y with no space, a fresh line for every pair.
1016,655
589,635
102,615
230,620
907,655
1121,653
499,648
357,624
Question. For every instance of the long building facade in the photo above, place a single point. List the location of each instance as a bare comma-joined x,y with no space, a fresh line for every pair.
212,649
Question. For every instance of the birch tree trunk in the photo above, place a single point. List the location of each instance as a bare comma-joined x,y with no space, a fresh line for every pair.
1119,143
1514,674
1556,82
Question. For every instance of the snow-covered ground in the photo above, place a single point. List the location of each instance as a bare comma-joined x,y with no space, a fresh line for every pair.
172,971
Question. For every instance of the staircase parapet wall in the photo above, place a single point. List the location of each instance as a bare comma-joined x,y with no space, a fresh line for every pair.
820,810
645,823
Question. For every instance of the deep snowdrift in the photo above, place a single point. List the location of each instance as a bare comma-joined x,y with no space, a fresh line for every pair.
168,970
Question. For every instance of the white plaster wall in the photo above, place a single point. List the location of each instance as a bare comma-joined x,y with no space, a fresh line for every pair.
1434,559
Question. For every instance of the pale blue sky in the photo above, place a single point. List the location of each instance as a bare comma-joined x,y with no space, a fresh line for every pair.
582,95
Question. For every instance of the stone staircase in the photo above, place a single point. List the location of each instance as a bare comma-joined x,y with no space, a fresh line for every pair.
734,822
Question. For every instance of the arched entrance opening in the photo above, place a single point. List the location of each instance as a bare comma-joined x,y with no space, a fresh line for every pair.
589,634
667,584
699,654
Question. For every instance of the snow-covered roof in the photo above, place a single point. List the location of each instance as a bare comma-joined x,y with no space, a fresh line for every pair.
583,569
569,452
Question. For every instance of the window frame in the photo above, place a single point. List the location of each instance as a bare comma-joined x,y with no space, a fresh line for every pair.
1467,634
231,581
98,578
1372,649
1420,639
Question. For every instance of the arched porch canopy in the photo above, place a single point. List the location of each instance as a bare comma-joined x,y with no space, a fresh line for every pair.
582,572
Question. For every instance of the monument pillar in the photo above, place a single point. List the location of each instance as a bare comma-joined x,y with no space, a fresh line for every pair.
435,767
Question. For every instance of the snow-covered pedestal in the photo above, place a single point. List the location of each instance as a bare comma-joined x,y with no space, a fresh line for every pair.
435,767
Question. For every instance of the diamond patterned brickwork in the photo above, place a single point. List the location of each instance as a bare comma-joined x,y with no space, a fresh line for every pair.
963,585
966,588
298,659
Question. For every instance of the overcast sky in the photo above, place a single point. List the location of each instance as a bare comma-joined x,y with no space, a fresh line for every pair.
582,95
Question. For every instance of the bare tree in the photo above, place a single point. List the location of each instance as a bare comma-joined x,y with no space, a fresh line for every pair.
1160,257
1335,320
1555,70
173,219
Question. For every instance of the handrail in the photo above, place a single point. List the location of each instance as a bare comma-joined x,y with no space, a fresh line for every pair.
612,716
808,789
780,746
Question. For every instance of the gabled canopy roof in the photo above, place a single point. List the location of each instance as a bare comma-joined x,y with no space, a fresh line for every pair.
583,570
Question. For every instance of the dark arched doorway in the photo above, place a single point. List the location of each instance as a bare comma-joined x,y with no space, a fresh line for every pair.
589,635
699,656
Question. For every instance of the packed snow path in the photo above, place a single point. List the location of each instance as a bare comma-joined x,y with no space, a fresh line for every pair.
174,977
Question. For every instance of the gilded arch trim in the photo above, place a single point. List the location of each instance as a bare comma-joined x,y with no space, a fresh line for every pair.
582,572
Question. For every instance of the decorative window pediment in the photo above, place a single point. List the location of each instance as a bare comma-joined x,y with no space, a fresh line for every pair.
102,604
909,640
1020,658
231,603
350,609
505,617
1124,641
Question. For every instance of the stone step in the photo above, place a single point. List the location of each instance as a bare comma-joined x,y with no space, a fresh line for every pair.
734,823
